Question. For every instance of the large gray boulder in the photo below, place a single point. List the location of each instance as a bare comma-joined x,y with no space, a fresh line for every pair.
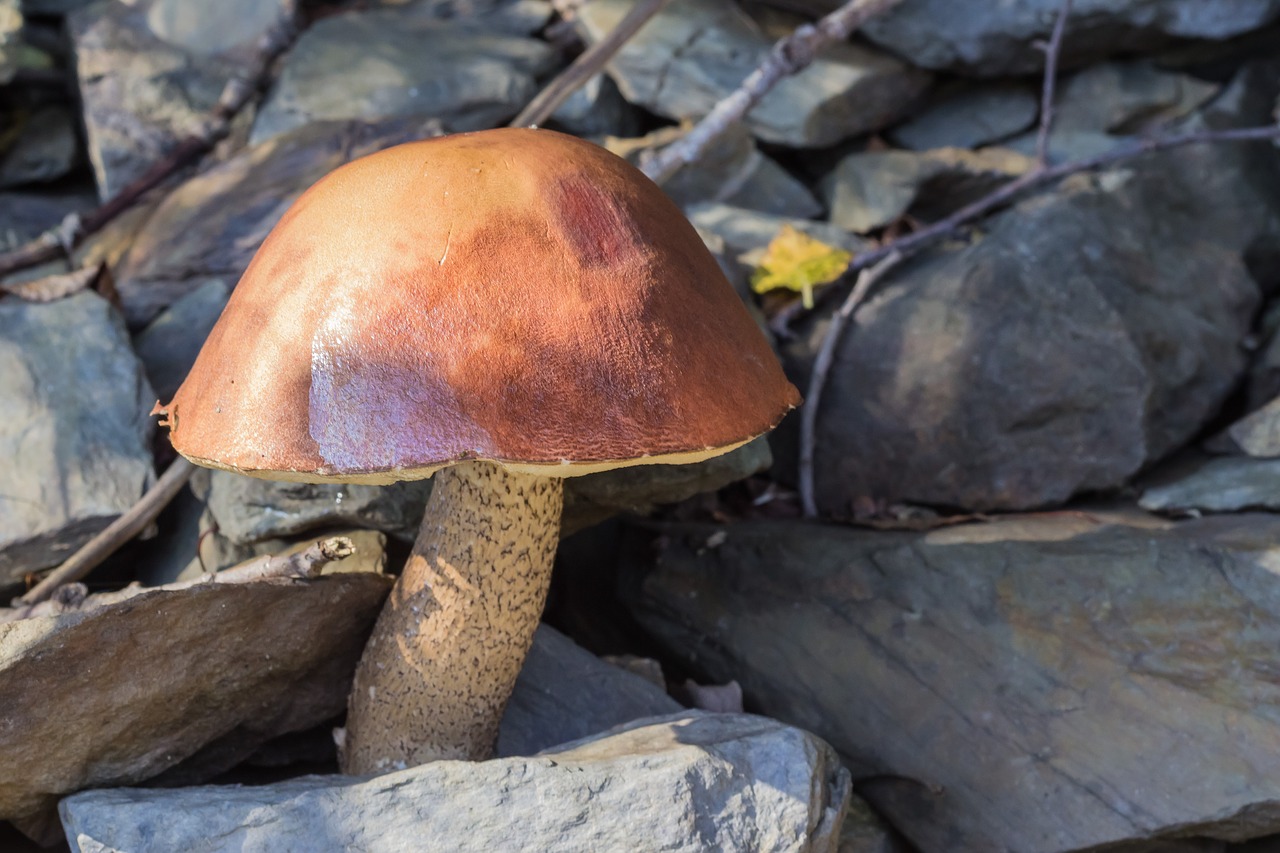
686,782
1086,332
1047,684
75,430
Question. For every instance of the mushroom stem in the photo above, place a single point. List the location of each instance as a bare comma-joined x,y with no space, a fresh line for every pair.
443,658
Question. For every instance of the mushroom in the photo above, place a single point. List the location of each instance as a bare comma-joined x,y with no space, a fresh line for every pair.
502,309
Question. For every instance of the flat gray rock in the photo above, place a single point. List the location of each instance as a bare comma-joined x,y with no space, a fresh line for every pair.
1044,684
748,233
1073,343
1226,484
969,118
391,62
732,170
114,696
565,693
694,53
75,430
687,782
870,189
151,71
977,37
1258,433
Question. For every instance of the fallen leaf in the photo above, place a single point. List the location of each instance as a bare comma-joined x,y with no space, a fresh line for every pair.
795,261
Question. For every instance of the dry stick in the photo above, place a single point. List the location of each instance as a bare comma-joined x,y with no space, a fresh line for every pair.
1052,51
790,55
115,534
234,96
306,563
587,64
822,366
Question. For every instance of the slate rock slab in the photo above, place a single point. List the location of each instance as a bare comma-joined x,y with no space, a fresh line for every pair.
116,695
209,227
150,72
1086,333
1041,684
1224,484
75,430
981,38
969,117
694,53
687,782
565,693
385,63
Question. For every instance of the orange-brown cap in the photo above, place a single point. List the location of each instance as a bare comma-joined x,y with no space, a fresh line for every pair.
519,296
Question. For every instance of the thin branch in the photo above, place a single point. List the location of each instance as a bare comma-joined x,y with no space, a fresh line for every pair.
587,65
790,55
237,92
115,535
306,563
1052,52
822,366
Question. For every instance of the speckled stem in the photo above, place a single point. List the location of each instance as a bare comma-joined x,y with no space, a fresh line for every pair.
443,658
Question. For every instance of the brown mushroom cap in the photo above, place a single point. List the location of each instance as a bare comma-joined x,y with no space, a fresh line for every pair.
519,296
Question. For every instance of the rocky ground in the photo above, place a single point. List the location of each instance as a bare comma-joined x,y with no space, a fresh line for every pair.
1039,611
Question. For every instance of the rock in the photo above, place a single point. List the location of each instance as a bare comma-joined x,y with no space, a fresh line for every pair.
215,556
747,233
75,430
1226,484
208,228
1127,98
597,109
393,62
864,832
565,693
151,71
694,53
975,38
168,346
248,510
26,215
45,151
116,695
1258,433
682,783
1088,332
1044,684
871,189
969,118
732,171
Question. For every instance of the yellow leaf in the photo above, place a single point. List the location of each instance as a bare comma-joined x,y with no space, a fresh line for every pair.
796,261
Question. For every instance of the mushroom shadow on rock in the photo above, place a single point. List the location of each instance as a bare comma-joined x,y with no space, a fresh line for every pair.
501,309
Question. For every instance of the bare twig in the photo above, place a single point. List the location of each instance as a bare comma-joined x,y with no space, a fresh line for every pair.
115,534
587,65
237,92
822,366
1052,52
790,55
306,563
